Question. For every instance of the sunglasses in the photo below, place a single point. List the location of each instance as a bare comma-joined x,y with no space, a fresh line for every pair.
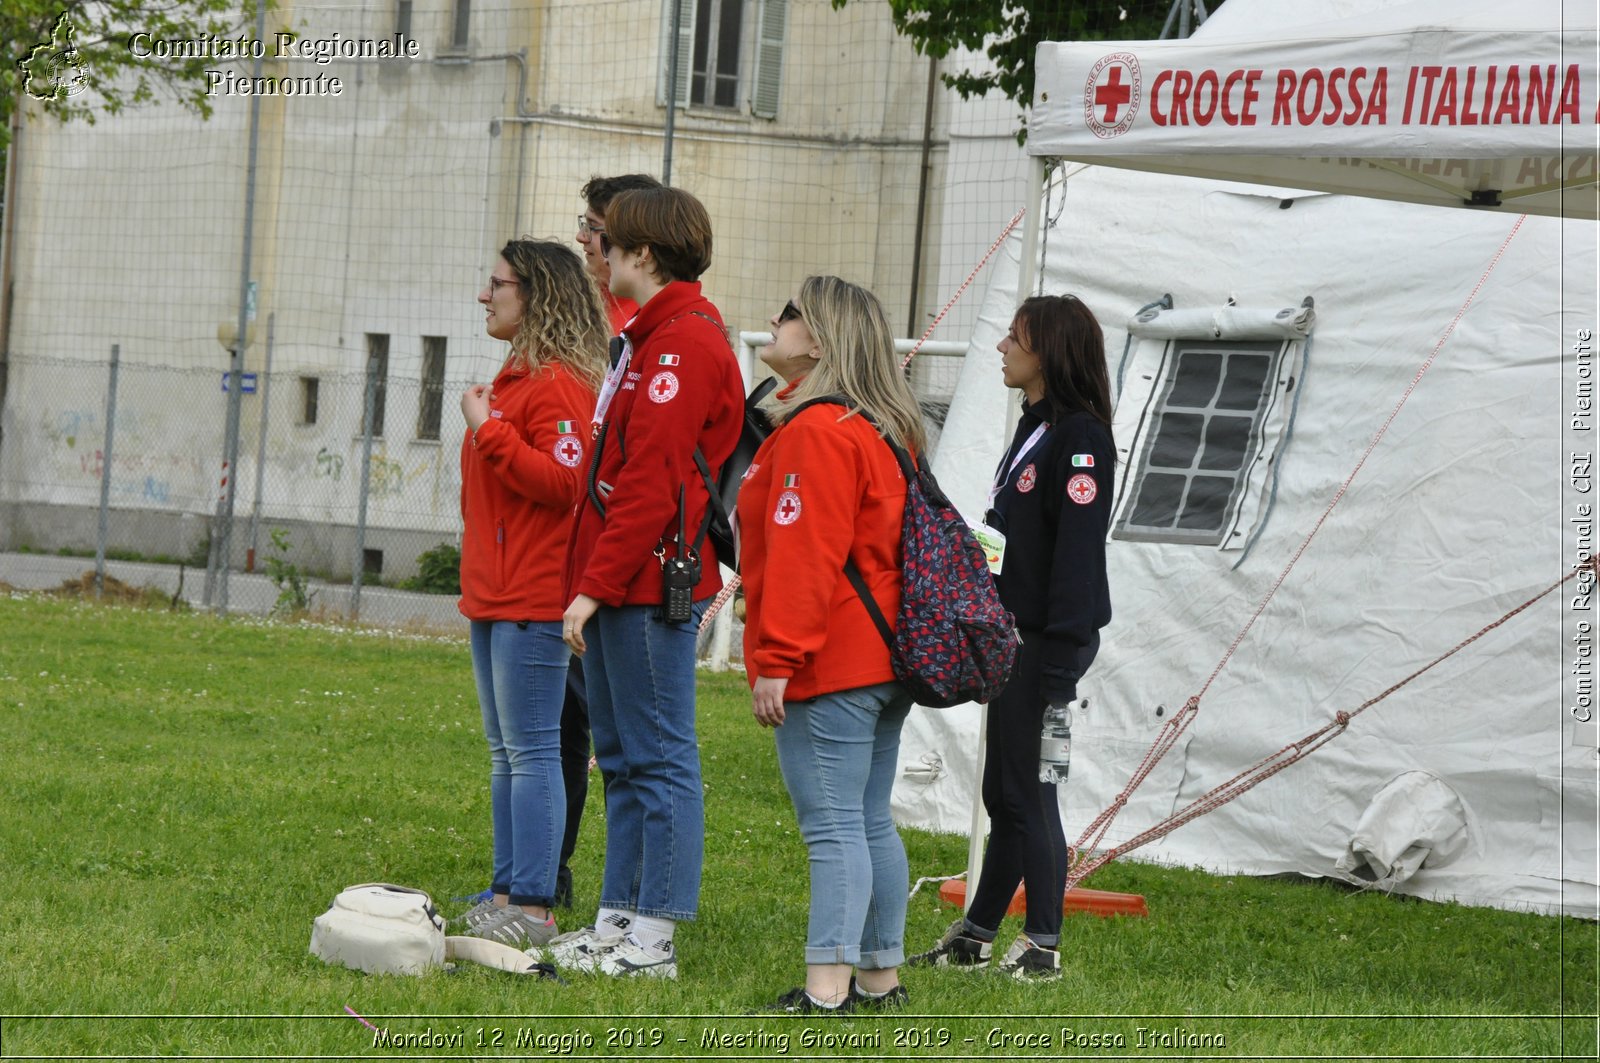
790,312
605,244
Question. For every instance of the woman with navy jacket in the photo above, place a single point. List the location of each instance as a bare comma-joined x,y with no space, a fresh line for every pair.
1051,501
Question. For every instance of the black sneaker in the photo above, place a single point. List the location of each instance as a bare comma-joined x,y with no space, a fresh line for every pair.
894,1000
956,949
1027,961
798,1002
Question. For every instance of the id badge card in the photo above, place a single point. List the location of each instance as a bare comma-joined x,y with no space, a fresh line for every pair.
994,546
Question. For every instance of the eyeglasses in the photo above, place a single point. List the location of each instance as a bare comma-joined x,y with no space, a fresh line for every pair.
496,283
605,244
587,228
790,312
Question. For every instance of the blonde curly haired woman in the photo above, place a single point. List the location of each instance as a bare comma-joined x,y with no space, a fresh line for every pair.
521,473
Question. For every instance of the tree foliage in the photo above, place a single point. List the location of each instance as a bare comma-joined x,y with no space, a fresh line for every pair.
74,57
1008,32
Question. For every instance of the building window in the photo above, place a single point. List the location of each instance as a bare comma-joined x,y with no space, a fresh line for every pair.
377,380
430,410
712,37
1205,419
460,25
309,386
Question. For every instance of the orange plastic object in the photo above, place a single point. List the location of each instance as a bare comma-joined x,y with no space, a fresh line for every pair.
1096,902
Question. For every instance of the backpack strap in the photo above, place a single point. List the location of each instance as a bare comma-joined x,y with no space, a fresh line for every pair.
500,957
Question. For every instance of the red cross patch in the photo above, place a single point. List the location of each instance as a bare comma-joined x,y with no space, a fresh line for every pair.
663,386
788,510
1111,95
1082,489
568,451
1029,477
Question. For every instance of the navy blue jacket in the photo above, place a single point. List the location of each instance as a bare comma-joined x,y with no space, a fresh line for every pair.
1054,508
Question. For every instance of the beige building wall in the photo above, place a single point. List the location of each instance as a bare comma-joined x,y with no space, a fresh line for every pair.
379,212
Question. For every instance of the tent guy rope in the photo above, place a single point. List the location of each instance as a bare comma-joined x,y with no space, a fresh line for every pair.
1084,866
1174,728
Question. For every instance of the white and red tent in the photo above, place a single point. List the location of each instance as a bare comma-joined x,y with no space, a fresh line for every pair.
1352,255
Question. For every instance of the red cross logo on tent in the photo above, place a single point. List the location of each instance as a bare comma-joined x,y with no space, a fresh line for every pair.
1111,95
662,387
788,510
569,451
1082,489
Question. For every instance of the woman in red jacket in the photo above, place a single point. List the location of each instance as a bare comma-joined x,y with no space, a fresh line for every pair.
825,488
675,391
521,473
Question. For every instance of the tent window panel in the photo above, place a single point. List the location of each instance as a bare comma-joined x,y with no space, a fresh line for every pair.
1177,439
1206,507
1247,373
1227,442
1160,495
1196,382
1206,424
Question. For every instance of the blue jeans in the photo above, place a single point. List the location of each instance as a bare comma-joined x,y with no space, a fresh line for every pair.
521,673
640,675
838,753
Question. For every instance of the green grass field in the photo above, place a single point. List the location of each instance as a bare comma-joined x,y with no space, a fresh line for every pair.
181,797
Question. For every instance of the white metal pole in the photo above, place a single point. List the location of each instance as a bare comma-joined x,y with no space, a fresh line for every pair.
980,821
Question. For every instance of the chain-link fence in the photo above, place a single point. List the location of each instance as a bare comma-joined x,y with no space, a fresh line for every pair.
820,141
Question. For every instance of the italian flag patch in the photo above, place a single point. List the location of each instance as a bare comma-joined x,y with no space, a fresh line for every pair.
1083,461
792,480
564,427
669,359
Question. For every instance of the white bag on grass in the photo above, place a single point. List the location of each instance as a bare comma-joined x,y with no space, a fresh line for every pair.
380,928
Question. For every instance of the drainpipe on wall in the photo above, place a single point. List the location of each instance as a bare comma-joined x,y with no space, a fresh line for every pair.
523,115
913,326
8,232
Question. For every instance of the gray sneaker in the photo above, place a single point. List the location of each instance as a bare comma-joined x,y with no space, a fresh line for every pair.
582,950
513,926
956,949
477,915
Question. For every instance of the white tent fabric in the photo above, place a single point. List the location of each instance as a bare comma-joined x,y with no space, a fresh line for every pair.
1457,517
1490,103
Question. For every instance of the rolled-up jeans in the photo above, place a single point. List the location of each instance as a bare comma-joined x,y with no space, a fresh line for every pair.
838,754
521,675
639,673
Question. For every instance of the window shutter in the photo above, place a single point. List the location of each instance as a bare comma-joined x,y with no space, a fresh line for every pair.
686,24
769,58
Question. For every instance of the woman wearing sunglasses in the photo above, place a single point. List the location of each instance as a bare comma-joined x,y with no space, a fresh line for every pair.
825,488
521,473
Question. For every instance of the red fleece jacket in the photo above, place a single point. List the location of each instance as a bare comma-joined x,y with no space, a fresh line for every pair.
820,489
520,476
682,390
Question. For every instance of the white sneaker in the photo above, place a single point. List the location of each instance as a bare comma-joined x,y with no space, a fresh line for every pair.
583,949
630,959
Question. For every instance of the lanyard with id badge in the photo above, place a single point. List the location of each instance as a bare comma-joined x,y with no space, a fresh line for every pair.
990,538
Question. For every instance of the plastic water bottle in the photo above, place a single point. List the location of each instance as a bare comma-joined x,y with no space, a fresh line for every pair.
1055,744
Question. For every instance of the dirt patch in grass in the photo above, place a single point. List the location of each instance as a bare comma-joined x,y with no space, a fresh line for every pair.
115,591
